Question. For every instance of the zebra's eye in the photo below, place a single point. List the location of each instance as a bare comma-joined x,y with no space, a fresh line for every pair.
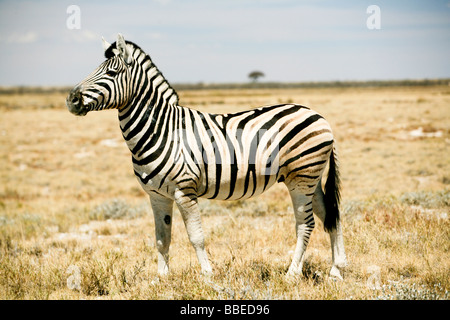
111,73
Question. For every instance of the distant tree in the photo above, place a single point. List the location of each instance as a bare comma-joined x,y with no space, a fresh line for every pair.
254,75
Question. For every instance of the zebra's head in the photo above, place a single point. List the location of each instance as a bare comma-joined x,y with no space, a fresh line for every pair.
106,87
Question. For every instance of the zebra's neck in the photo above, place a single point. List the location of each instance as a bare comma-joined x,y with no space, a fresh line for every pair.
152,96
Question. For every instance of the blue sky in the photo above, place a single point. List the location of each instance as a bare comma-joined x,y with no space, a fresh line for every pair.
222,41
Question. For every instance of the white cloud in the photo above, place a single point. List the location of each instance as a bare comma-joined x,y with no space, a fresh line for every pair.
82,35
22,37
162,2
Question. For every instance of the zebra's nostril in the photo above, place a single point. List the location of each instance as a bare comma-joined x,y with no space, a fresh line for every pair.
75,100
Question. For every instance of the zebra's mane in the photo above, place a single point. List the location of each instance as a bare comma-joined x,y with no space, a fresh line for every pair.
109,54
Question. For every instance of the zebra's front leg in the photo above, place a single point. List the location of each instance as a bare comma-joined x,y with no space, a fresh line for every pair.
162,211
304,225
188,207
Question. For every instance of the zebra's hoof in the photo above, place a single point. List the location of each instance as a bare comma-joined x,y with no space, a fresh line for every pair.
335,274
292,277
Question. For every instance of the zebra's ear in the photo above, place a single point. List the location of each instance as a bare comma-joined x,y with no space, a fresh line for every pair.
106,44
123,49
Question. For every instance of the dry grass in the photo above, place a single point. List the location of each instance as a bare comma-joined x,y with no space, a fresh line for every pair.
74,223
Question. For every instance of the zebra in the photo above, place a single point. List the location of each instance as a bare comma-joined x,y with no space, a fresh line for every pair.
180,154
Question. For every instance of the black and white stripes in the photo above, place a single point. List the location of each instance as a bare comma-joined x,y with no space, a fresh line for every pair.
180,154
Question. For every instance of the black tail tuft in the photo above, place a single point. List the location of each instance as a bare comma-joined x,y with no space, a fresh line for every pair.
332,195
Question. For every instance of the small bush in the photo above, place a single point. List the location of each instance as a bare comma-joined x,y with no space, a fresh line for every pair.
117,209
405,291
427,199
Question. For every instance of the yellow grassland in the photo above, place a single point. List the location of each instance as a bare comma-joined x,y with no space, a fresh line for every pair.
71,210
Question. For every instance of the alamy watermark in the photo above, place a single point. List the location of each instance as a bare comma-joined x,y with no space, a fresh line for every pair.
373,22
74,19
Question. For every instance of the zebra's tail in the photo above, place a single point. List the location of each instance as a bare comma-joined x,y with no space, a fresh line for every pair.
332,195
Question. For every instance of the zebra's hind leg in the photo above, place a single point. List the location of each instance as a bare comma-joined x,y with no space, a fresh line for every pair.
336,238
304,225
162,211
188,207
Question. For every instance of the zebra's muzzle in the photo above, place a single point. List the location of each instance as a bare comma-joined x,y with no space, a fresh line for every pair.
74,102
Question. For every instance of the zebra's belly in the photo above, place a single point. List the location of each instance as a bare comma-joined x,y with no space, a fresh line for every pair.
235,183
217,182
